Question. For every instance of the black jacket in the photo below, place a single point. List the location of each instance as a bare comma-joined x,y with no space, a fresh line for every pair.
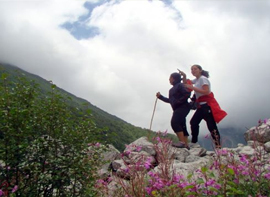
178,96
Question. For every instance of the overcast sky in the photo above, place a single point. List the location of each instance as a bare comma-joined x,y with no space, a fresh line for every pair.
118,54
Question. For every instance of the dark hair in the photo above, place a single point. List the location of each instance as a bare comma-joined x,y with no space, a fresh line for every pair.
204,72
177,77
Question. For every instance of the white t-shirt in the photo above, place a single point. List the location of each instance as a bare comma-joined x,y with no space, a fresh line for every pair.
198,83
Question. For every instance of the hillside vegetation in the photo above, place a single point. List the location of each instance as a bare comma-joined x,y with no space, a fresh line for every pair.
113,129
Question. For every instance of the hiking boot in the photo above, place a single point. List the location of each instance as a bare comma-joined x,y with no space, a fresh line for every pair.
180,145
194,145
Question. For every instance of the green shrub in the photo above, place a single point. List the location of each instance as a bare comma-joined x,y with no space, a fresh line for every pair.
44,142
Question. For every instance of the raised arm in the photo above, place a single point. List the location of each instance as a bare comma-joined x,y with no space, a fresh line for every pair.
184,76
159,96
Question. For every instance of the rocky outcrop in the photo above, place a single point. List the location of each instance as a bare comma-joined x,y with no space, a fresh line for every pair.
260,133
159,156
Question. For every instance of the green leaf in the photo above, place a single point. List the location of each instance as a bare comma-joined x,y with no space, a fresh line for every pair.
189,187
199,181
231,171
204,169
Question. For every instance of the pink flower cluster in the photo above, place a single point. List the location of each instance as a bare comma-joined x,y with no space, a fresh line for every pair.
227,176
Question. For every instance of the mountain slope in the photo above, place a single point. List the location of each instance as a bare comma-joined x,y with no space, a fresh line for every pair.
124,133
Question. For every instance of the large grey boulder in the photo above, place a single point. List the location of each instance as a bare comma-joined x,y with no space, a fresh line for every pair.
260,133
108,157
191,167
141,144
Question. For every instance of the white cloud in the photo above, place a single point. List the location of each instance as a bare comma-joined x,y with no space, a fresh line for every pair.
140,44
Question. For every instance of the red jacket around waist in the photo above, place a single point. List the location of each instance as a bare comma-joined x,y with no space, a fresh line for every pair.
217,112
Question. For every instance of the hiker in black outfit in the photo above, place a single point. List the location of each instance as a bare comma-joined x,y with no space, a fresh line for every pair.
178,98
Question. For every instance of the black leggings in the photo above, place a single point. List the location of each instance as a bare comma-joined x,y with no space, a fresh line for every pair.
204,112
178,121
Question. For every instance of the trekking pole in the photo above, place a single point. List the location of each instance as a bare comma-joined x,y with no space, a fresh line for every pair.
153,114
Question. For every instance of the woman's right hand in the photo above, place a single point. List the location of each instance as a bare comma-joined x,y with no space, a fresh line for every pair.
182,73
158,94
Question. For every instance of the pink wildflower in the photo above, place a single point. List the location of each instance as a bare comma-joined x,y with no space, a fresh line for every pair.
148,190
110,179
151,174
147,164
158,184
210,182
267,176
245,173
223,152
165,133
177,178
138,148
217,186
15,188
126,170
101,183
244,159
127,146
184,184
158,139
127,152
